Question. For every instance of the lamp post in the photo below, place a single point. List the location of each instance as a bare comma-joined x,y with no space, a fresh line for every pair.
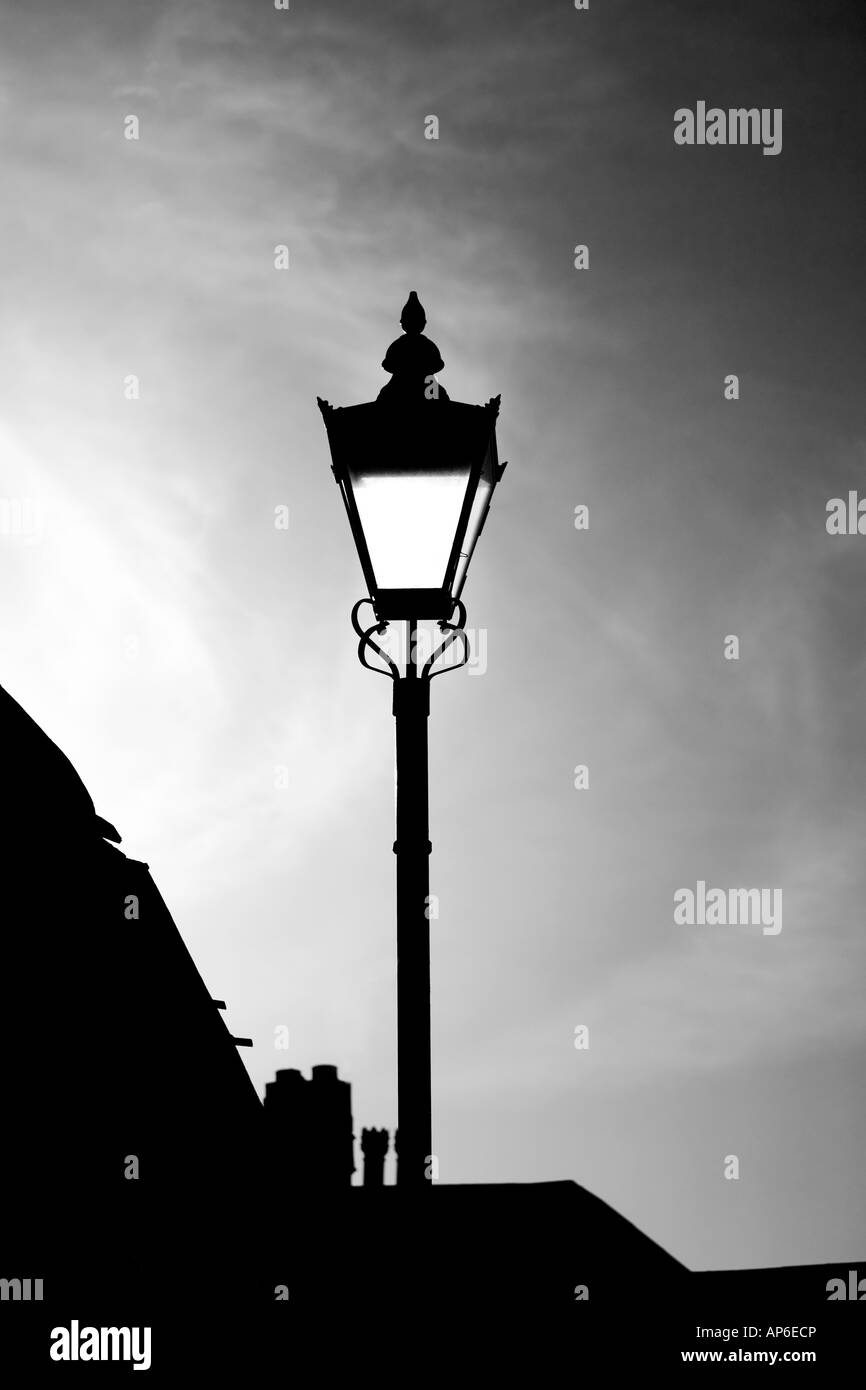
417,472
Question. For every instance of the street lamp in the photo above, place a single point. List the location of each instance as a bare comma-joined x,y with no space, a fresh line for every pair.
417,472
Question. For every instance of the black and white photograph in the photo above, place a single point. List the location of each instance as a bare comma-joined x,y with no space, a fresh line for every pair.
432,689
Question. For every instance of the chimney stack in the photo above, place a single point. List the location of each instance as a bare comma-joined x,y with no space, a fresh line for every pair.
374,1147
309,1126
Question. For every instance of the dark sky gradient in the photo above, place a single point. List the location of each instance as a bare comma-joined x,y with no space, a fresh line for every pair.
180,649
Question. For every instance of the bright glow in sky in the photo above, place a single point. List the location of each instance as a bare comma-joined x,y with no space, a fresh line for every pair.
197,664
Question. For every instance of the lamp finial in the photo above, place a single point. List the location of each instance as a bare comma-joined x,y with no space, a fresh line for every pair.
413,318
413,360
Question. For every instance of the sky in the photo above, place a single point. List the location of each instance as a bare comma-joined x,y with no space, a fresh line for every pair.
197,664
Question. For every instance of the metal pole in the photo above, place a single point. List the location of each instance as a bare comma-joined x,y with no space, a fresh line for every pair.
412,848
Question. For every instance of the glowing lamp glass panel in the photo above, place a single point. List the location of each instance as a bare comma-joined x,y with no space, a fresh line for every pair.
477,513
409,520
